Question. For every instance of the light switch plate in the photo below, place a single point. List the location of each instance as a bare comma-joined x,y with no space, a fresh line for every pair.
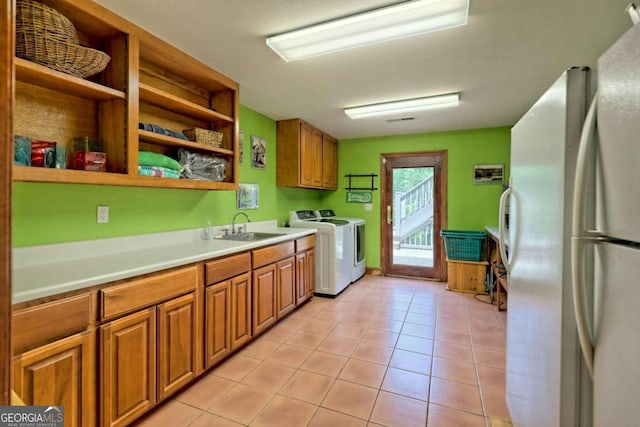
368,206
103,214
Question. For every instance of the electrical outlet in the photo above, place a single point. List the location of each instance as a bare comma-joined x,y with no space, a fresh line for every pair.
103,214
368,206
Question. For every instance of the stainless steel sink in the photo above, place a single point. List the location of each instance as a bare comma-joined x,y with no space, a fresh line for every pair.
251,236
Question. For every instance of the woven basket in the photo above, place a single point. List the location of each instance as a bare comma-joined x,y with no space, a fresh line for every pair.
204,136
62,56
41,19
46,37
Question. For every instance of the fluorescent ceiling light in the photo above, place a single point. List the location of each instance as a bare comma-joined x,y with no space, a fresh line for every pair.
403,106
393,22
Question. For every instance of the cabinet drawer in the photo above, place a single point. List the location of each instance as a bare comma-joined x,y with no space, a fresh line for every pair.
272,254
305,243
43,323
143,292
221,269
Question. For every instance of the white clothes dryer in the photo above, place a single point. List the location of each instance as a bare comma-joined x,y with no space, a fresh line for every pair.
334,249
358,266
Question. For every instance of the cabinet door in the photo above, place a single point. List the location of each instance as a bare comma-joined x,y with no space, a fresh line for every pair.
176,344
60,374
301,278
306,155
240,310
217,326
317,158
286,286
311,272
329,162
264,298
128,367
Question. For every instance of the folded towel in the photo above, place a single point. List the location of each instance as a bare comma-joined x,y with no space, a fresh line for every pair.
149,158
163,131
158,172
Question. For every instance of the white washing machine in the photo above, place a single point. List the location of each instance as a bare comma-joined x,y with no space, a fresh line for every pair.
334,250
358,266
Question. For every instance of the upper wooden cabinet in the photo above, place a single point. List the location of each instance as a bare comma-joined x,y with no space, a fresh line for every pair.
306,156
147,80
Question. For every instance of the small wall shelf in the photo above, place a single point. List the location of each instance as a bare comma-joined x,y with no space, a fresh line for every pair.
371,176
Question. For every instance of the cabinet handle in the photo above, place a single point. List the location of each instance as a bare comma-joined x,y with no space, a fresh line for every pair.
389,215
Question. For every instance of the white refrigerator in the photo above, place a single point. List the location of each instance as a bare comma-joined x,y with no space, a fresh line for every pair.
573,319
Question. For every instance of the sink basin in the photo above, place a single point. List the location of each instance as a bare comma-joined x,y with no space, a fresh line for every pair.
251,236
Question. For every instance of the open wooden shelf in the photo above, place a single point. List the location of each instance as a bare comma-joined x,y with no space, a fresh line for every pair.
179,105
169,141
39,75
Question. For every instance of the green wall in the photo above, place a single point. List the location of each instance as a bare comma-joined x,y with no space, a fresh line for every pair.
470,207
53,213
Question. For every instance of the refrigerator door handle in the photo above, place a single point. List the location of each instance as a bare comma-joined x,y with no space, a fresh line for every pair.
582,235
502,229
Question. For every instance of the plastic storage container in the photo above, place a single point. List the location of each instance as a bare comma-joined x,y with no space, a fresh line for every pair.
463,245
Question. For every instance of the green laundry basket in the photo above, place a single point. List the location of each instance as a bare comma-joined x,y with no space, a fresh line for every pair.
463,245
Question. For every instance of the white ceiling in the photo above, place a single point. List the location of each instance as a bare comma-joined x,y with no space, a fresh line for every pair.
501,61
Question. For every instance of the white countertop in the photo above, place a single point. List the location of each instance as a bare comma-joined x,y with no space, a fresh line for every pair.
41,271
493,231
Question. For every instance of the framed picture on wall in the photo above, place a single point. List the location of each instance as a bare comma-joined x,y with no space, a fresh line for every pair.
258,152
488,174
248,196
241,147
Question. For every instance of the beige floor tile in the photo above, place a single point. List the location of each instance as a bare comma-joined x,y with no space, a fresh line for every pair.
411,361
210,420
172,413
491,377
284,411
421,319
348,330
454,336
269,376
417,344
372,353
454,370
422,309
289,355
488,357
453,351
422,331
307,386
391,314
236,368
494,340
358,318
324,363
441,416
323,327
362,372
351,399
406,383
329,315
260,349
465,397
206,391
240,404
306,339
493,399
398,411
327,418
337,345
279,333
381,337
386,324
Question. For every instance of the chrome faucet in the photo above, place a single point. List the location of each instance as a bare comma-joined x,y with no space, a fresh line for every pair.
233,221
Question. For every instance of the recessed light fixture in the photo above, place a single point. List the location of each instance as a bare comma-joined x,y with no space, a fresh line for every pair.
403,106
400,20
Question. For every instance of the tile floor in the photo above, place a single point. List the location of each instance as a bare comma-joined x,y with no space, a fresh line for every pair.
387,352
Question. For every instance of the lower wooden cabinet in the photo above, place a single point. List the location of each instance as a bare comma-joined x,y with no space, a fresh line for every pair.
301,278
241,297
60,374
311,272
264,298
128,367
176,339
217,322
285,287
